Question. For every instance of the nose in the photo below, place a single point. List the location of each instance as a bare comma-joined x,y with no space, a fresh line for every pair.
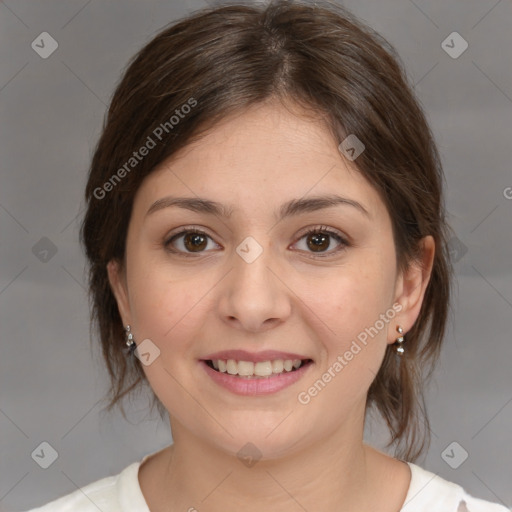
254,295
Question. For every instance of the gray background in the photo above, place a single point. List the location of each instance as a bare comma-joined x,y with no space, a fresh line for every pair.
51,115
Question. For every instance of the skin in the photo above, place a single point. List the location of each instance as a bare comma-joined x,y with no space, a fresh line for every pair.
289,299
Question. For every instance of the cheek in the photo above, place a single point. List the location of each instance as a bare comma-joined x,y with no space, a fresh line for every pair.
353,335
154,305
166,314
169,307
352,299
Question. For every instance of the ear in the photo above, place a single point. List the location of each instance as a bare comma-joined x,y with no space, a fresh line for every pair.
117,279
410,288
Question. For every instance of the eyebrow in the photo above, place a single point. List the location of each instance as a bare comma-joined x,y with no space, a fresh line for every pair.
288,209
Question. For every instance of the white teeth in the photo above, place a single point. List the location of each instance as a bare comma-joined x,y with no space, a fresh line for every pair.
263,368
231,367
259,369
245,368
277,366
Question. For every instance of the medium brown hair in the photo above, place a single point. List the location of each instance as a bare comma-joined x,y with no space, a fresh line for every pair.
322,58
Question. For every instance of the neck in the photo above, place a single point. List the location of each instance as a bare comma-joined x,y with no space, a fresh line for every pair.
330,475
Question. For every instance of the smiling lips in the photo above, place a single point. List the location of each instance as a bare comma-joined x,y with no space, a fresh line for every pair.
258,373
259,369
260,364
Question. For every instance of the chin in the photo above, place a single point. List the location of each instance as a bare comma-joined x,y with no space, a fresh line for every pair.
251,444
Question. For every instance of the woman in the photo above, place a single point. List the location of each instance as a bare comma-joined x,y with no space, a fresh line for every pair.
265,229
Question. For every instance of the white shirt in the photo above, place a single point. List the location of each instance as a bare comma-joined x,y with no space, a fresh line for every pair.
122,493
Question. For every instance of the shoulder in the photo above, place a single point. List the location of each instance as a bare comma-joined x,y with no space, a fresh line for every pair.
101,493
429,492
108,494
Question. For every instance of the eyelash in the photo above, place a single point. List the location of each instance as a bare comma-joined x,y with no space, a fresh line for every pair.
315,230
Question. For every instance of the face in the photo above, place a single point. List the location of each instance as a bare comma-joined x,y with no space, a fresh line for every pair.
198,282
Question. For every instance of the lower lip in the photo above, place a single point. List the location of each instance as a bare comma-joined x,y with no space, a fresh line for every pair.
256,386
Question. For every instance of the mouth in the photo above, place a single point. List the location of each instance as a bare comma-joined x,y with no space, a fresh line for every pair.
257,370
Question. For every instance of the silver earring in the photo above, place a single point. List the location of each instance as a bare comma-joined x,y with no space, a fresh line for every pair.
130,342
399,348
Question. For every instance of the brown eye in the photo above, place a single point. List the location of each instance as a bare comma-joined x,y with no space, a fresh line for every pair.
318,242
194,242
188,241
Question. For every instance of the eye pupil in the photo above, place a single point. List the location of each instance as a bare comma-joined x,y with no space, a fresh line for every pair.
194,241
318,241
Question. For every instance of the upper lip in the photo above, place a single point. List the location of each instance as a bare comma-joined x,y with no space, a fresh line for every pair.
243,355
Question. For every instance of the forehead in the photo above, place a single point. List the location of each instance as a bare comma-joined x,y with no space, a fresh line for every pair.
261,157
